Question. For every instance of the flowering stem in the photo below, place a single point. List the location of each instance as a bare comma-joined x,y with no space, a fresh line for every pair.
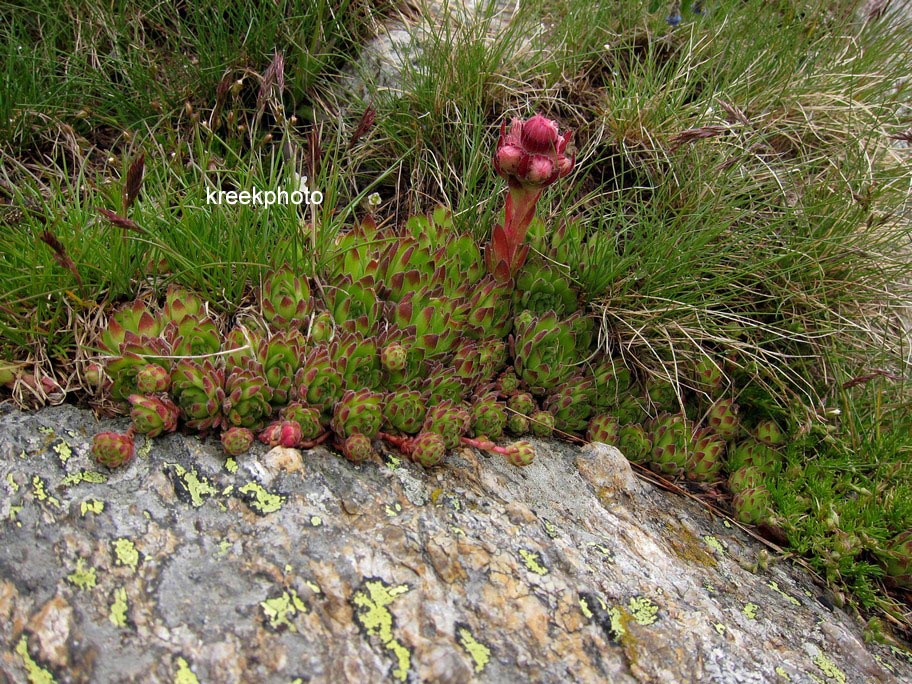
486,445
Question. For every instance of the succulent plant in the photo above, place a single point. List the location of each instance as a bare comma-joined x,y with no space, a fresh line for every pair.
394,358
750,452
745,477
571,404
280,357
897,559
448,419
193,336
541,423
285,299
358,411
134,355
507,382
198,388
768,432
241,343
541,288
284,433
152,379
322,328
634,443
548,348
603,428
428,449
236,440
612,385
630,410
405,410
433,317
530,157
354,305
723,418
180,303
307,418
357,447
518,424
520,453
752,505
489,417
662,395
522,402
247,396
356,357
318,382
670,444
442,383
708,375
152,415
113,449
133,318
489,311
705,460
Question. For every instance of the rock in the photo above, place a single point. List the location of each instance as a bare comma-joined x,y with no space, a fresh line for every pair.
283,567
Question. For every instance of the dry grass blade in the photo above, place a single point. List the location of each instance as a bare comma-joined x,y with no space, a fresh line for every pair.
60,254
133,184
694,134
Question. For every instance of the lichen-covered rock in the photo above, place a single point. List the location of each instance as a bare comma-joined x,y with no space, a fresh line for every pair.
282,566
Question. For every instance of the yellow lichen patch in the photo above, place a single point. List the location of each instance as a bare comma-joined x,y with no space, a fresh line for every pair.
35,673
644,611
830,670
184,674
775,587
720,628
13,485
118,613
224,547
316,520
83,576
883,663
126,553
606,553
188,485
550,528
393,462
313,586
39,491
750,610
714,543
376,620
14,512
63,450
145,448
533,562
91,506
91,476
783,674
281,609
478,652
458,531
231,465
394,510
436,495
260,500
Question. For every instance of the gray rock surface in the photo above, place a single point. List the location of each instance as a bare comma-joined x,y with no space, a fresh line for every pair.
288,566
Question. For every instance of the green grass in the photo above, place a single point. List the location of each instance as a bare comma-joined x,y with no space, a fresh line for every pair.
736,193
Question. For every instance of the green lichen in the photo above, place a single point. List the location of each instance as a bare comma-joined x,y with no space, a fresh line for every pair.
188,485
393,510
90,476
478,652
39,491
720,628
713,543
783,674
550,528
533,562
14,512
280,610
458,531
260,500
643,610
13,485
775,587
35,673
91,506
118,613
63,450
126,553
144,449
313,586
376,620
224,547
316,520
83,576
606,553
231,465
830,669
750,610
184,674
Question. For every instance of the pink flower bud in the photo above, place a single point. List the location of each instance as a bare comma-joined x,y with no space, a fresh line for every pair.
531,155
285,433
508,159
540,135
540,170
